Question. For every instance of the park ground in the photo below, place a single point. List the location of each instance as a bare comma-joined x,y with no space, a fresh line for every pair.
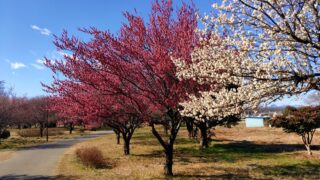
9,146
40,161
235,153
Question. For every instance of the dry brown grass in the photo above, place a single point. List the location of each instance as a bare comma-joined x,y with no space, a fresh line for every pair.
124,166
259,153
261,135
35,132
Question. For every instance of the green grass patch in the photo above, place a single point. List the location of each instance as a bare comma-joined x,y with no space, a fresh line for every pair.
302,169
17,141
13,143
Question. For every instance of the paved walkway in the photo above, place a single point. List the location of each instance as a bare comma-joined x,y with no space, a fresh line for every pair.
40,162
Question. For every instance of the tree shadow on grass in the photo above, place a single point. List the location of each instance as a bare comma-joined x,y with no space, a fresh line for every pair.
236,151
183,141
222,176
143,136
153,154
292,170
299,171
150,142
229,152
36,177
155,142
144,139
225,173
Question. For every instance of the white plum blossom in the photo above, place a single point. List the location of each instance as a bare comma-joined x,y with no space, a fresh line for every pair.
216,64
282,33
255,51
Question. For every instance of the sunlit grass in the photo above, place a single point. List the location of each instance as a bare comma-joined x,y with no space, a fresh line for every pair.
224,159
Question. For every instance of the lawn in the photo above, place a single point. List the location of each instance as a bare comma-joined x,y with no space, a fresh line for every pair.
258,153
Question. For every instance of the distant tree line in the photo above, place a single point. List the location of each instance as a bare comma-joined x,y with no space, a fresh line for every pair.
23,112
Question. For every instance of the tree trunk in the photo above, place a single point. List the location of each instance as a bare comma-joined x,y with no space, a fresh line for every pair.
70,127
165,129
118,138
169,161
126,145
307,139
168,145
168,150
41,130
204,137
47,135
189,126
126,135
174,126
118,135
308,147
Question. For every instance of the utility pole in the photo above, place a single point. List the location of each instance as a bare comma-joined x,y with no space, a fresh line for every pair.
47,114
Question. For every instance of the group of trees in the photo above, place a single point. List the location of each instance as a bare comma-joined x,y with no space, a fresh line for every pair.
250,53
4,111
21,112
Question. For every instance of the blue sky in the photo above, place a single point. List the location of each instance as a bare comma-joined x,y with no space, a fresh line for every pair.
27,28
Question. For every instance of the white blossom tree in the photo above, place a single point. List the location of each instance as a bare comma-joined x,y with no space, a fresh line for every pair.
257,51
283,35
215,63
221,66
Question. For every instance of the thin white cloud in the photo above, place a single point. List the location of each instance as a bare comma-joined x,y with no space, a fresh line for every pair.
40,61
37,66
17,65
43,31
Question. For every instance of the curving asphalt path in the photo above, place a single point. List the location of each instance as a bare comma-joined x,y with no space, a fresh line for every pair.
40,162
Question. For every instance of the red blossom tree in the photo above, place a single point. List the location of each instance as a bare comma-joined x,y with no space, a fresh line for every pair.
95,102
130,76
20,114
303,121
38,113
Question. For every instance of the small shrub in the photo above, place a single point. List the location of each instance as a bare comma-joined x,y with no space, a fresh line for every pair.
5,134
91,157
29,133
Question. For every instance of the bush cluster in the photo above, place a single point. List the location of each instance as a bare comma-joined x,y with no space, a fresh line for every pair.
4,134
91,157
